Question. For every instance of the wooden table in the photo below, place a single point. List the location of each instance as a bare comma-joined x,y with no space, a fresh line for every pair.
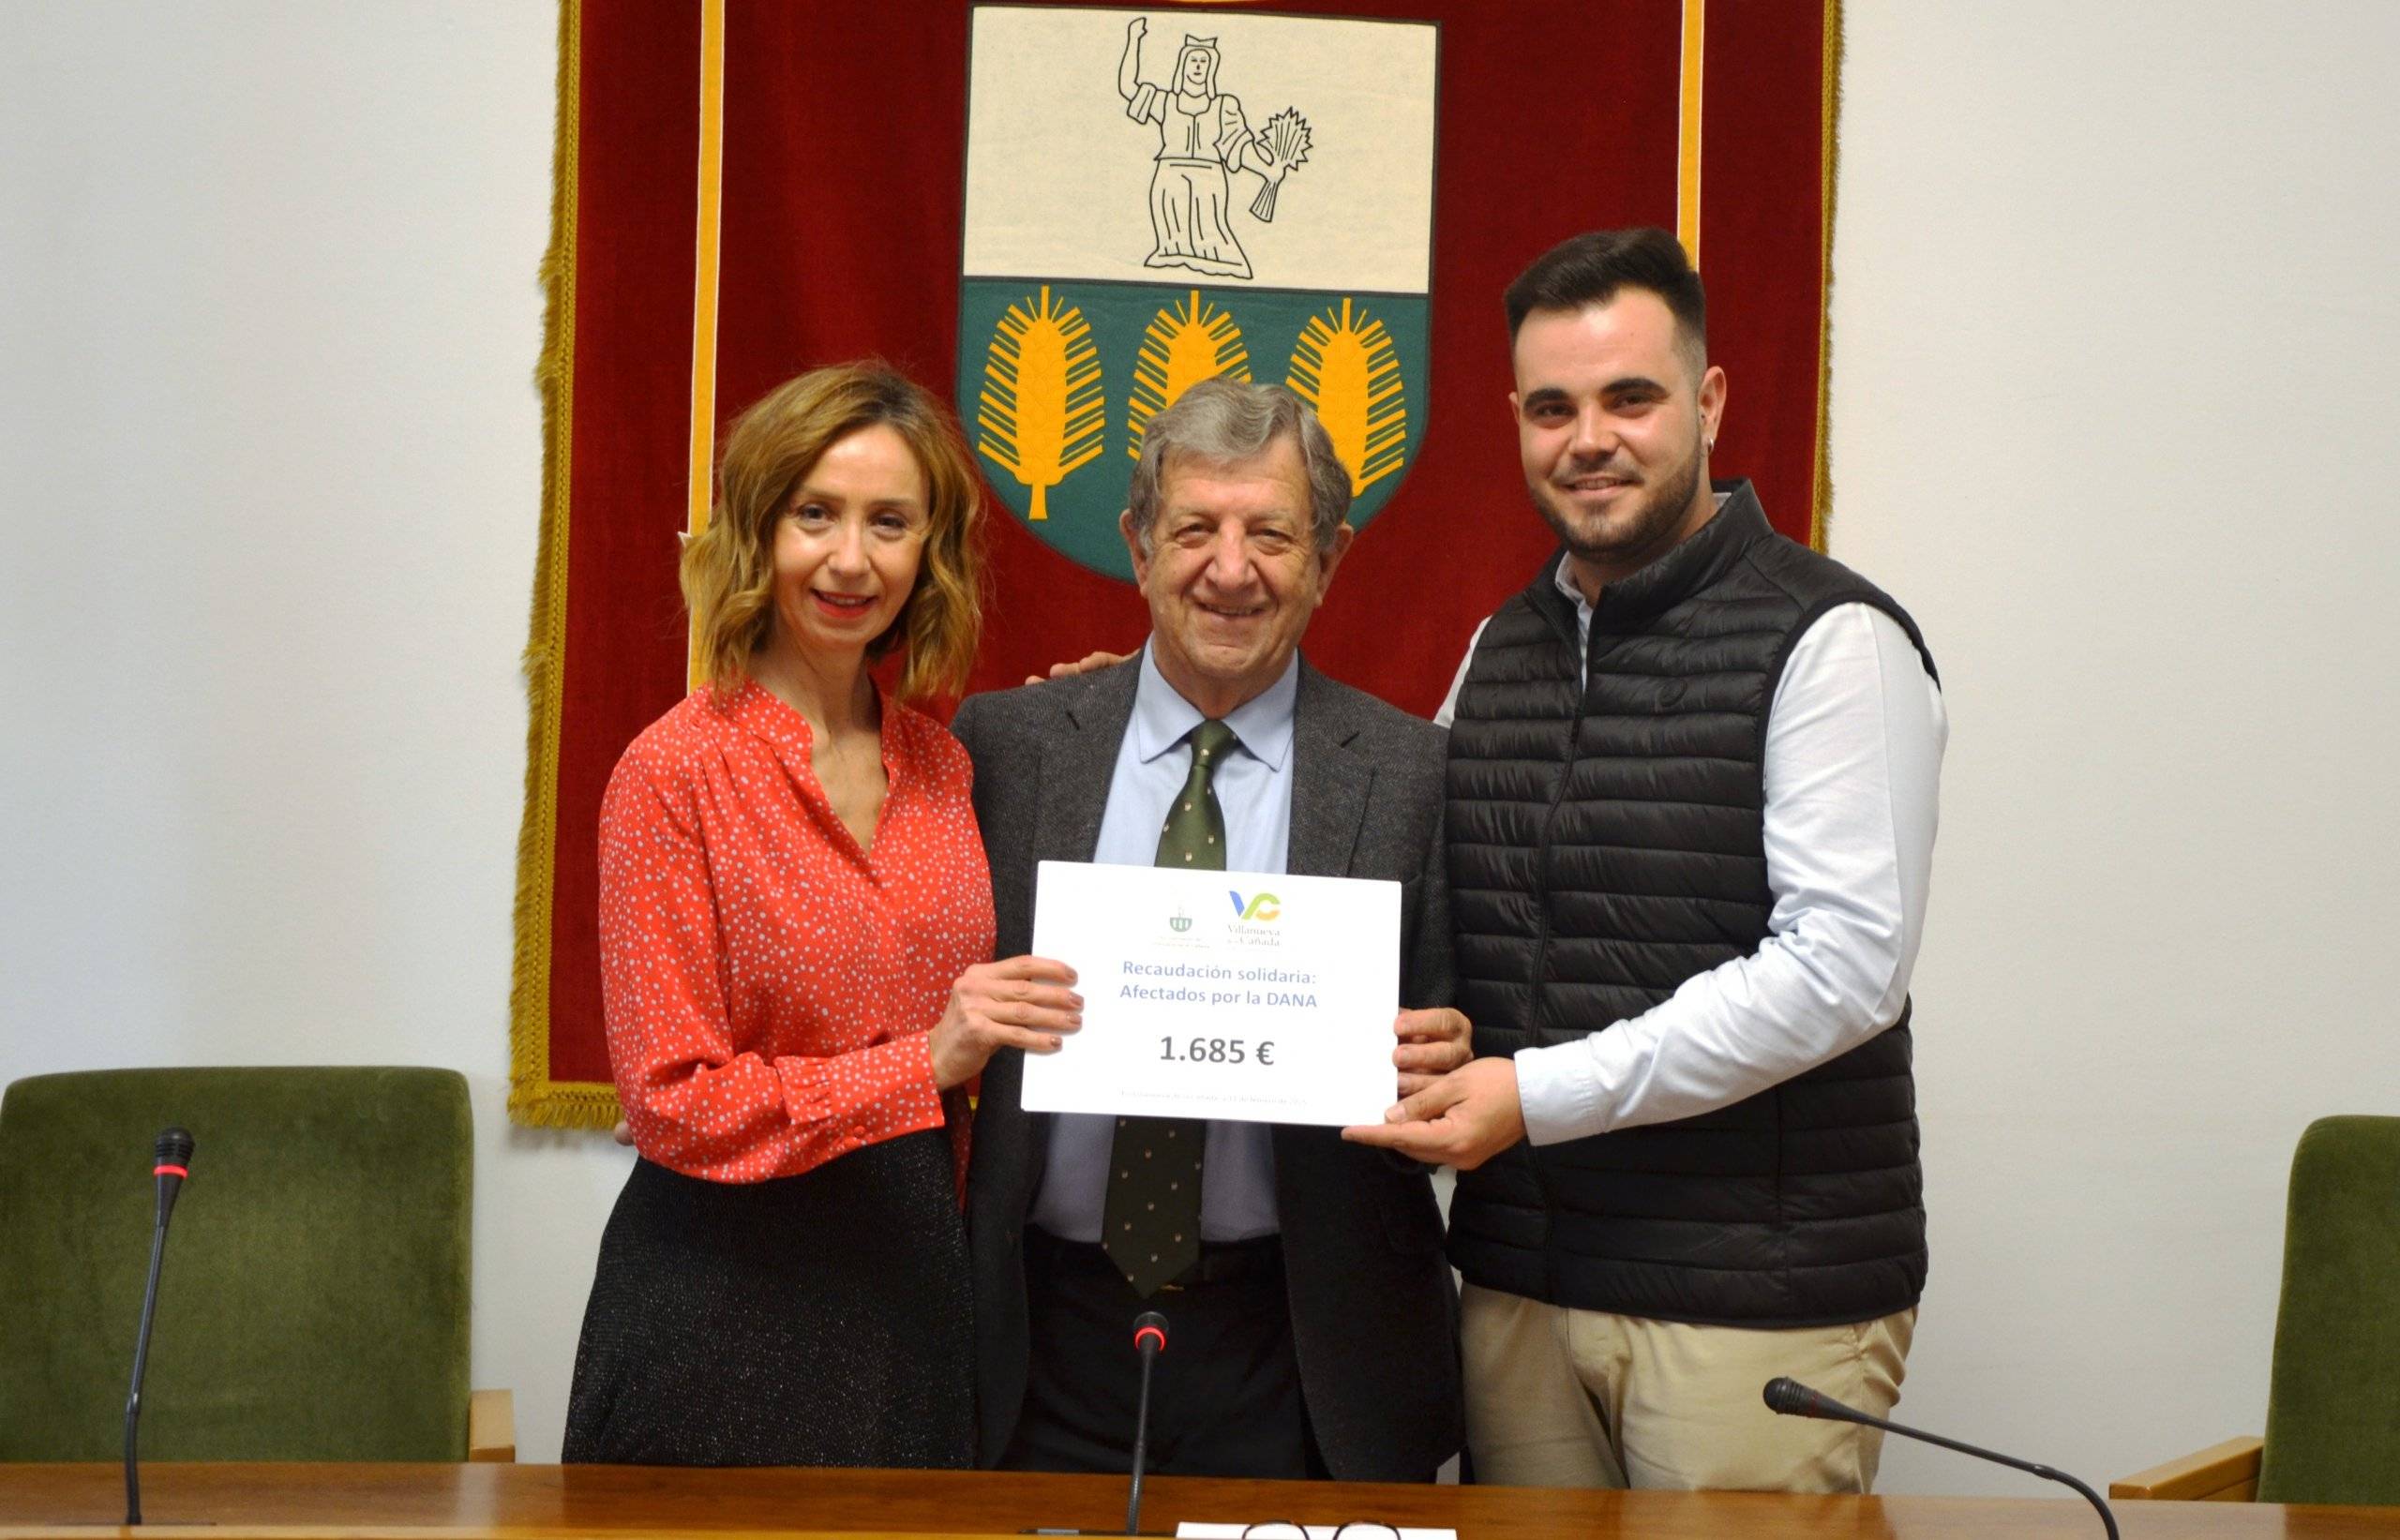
552,1503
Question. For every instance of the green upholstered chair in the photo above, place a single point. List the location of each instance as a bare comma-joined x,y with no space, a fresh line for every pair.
2334,1398
314,1302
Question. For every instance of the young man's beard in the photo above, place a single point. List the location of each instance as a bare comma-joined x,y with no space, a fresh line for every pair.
1650,533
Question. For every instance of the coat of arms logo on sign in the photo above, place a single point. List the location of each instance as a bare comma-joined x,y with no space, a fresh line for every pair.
1130,230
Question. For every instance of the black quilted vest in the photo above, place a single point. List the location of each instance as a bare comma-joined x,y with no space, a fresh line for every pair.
1605,845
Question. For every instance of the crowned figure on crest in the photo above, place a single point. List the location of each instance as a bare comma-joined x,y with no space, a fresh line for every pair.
1203,138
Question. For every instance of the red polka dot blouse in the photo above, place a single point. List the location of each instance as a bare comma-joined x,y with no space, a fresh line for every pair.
768,985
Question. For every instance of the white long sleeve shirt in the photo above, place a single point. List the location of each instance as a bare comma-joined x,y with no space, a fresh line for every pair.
1853,776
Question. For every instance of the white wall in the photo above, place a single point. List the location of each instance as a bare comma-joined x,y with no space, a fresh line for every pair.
2113,414
2117,374
270,460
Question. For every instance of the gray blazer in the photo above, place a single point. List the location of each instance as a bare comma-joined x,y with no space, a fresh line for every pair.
1374,1315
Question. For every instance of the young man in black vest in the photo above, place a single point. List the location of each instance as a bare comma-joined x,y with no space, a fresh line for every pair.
1690,816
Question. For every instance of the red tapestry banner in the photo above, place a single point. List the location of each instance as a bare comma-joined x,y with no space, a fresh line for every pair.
1057,216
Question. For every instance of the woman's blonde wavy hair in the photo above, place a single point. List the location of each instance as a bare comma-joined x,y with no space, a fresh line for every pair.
728,569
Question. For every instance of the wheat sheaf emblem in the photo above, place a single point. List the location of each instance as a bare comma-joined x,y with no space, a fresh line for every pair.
1182,346
1041,414
1344,367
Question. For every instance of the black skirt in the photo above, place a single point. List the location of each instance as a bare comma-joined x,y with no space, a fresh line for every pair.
815,1320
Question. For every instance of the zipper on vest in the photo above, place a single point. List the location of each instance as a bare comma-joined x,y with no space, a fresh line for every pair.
1541,872
1535,1036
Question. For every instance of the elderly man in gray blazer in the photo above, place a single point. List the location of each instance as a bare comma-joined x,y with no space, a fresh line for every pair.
1314,1322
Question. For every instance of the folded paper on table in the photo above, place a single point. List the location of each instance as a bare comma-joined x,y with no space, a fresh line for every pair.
1316,1531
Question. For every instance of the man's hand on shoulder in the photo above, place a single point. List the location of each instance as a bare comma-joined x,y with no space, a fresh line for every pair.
1085,664
1462,1120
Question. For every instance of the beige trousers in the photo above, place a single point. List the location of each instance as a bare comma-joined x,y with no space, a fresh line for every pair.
1561,1397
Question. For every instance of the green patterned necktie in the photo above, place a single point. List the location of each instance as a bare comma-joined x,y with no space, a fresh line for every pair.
1151,1223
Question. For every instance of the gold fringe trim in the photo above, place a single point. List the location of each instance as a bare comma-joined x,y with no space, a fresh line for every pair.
534,1097
1822,501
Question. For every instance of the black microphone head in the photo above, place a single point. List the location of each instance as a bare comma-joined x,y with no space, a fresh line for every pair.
1790,1396
1150,1324
174,1147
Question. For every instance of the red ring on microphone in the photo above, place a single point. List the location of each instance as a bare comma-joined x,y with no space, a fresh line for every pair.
171,1171
1149,1331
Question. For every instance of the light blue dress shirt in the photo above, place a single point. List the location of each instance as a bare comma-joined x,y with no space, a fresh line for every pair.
1253,787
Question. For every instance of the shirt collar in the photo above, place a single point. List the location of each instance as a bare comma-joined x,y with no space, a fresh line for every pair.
1562,576
767,717
1263,724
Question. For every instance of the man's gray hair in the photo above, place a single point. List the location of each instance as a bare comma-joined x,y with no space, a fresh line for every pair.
1222,422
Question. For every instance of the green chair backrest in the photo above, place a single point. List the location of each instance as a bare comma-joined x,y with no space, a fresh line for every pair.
314,1303
2334,1406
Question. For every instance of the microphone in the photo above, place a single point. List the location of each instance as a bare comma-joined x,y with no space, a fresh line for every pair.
173,1156
173,1164
1149,1340
1794,1399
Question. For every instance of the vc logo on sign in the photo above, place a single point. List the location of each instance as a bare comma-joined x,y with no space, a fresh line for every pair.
1260,906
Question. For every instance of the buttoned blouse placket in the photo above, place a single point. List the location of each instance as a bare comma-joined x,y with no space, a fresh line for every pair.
863,866
896,835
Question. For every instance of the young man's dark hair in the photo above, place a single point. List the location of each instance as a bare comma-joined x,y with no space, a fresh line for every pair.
1590,268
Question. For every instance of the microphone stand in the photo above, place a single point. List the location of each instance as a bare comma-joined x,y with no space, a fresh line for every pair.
1150,1336
1149,1340
1794,1399
174,1163
141,1361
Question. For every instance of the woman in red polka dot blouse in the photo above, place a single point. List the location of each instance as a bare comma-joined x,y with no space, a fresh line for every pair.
794,922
